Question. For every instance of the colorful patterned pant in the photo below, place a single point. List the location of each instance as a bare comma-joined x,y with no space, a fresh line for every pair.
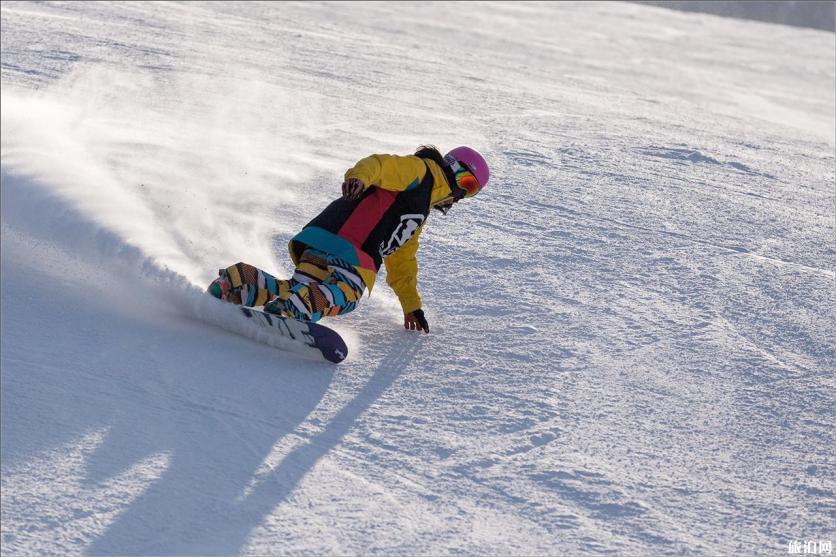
321,286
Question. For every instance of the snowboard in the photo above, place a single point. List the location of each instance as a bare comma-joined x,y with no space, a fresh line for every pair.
300,333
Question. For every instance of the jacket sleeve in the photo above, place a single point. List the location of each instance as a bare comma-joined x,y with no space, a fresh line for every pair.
402,274
389,172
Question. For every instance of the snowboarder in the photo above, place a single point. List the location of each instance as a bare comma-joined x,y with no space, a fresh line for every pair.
385,202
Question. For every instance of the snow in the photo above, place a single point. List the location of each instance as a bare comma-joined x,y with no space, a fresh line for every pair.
632,327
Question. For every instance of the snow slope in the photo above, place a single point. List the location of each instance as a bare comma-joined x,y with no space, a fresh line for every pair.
632,327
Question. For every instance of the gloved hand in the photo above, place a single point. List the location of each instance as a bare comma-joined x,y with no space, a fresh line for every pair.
352,188
416,321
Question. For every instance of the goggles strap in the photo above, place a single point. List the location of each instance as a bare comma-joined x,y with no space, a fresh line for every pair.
451,166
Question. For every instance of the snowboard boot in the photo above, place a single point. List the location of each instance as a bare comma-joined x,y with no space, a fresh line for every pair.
221,288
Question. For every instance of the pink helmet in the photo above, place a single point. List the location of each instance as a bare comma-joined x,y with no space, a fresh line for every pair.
473,161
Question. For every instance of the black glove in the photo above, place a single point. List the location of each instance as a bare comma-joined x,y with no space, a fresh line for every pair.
352,188
416,321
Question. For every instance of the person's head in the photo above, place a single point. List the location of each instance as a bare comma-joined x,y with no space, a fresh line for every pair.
466,171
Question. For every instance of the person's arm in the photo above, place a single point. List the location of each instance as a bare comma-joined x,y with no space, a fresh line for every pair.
402,277
389,172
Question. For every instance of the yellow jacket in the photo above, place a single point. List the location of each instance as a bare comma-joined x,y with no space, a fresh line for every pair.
400,173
